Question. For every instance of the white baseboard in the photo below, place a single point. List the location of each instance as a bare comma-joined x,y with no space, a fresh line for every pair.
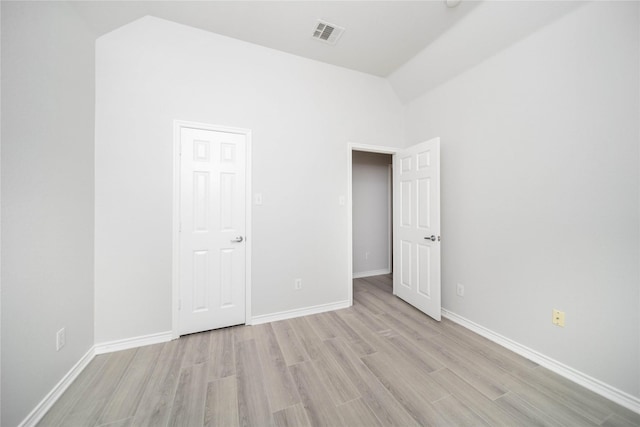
125,344
290,314
371,273
41,409
605,390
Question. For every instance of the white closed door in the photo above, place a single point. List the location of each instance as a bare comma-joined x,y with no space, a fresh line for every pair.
416,264
212,227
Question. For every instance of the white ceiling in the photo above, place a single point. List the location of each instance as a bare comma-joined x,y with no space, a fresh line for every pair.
417,44
380,36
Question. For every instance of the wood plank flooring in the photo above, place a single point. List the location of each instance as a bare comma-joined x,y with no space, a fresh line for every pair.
378,363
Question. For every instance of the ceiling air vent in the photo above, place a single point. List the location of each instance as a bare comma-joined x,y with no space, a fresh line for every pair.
327,33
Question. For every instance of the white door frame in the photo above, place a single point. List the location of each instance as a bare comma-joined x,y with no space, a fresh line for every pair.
369,149
175,281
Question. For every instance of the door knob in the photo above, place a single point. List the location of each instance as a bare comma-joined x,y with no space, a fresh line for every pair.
237,239
432,238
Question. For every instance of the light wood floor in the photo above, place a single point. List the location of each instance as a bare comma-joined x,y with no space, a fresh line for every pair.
378,363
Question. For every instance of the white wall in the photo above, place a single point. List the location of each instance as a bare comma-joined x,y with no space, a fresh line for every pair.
540,190
302,114
47,199
371,213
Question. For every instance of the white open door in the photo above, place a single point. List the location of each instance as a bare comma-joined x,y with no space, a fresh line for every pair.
212,230
416,230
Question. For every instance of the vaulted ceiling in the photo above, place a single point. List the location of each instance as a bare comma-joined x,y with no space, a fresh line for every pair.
379,37
418,44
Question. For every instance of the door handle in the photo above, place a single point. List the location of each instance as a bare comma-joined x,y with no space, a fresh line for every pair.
432,238
237,239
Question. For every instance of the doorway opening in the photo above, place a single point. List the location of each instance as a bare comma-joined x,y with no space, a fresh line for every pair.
369,265
415,254
372,220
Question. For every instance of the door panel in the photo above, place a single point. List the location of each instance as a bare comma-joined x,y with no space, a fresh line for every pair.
417,205
424,196
424,267
212,215
406,258
405,196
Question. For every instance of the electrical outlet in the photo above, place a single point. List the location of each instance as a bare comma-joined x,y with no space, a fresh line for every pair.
297,284
460,290
558,317
60,339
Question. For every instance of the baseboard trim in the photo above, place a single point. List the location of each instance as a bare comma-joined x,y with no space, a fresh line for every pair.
371,273
127,343
290,314
41,409
605,390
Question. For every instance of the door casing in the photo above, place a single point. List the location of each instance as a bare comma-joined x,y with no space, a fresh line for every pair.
175,280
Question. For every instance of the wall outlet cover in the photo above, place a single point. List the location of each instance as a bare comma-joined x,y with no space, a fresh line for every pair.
558,317
60,339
